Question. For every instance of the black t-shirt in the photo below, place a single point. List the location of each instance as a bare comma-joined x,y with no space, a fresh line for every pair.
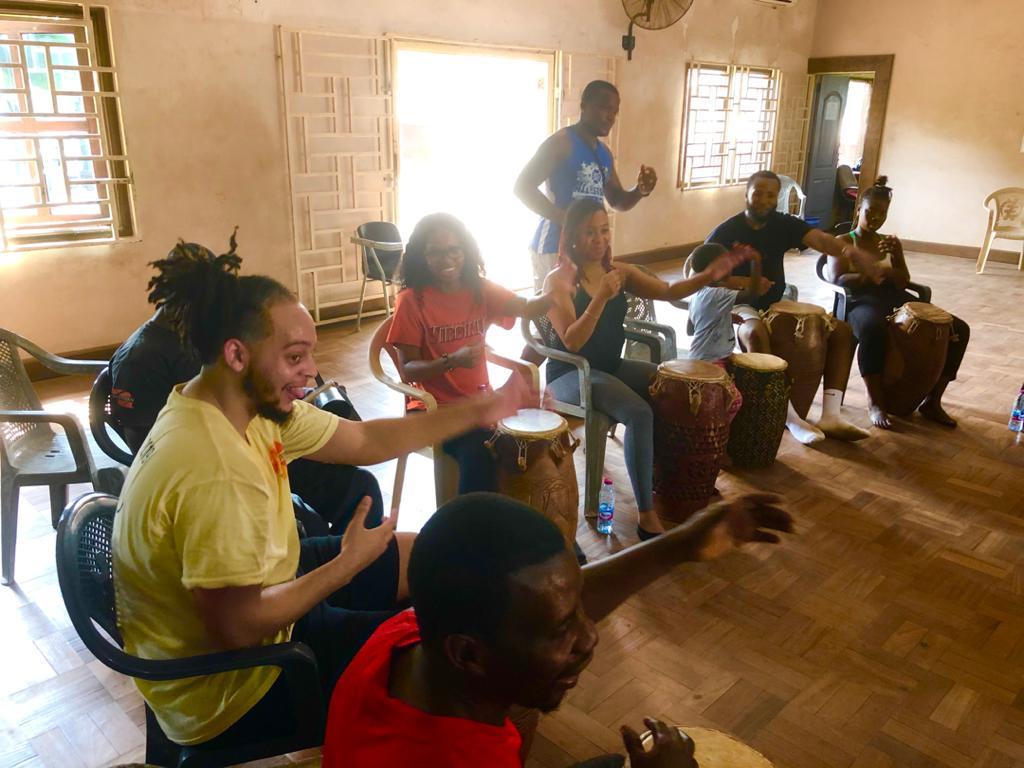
144,369
780,233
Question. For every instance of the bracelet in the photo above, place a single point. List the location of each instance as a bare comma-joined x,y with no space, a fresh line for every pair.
447,363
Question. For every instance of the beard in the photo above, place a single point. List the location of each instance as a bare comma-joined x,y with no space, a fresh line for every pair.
264,397
753,214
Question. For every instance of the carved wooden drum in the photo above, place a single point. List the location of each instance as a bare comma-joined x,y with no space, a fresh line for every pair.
799,335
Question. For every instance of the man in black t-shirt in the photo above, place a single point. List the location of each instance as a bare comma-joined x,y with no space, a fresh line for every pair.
772,233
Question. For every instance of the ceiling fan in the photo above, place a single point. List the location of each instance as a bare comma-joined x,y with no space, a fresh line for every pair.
651,14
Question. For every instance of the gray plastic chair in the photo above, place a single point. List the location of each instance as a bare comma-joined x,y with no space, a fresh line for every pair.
843,295
32,452
641,318
541,338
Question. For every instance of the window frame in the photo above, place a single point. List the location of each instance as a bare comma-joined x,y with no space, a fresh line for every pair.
111,165
729,171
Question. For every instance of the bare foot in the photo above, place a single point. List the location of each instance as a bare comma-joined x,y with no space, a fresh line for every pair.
879,417
932,410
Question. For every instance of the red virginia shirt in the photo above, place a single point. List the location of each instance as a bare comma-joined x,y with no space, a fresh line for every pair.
436,322
367,728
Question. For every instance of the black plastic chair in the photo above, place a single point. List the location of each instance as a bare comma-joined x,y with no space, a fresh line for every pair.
381,243
842,295
85,574
102,420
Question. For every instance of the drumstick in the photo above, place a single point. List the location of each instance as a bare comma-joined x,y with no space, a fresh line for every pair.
311,395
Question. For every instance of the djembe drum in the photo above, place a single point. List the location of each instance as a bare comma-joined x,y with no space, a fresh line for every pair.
691,401
918,342
534,451
756,431
799,335
714,749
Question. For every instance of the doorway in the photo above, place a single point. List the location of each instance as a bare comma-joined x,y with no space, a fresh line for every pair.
468,120
848,98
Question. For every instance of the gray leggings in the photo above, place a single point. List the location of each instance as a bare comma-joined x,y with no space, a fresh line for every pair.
624,397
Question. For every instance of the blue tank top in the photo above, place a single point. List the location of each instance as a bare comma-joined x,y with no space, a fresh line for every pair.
603,350
583,174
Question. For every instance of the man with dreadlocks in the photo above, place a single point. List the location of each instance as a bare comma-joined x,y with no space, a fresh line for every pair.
205,549
153,359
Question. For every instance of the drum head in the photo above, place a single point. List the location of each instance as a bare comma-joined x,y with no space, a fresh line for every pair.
716,750
758,361
691,370
533,422
786,307
919,310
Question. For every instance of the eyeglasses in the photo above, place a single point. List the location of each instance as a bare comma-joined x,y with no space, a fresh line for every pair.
453,251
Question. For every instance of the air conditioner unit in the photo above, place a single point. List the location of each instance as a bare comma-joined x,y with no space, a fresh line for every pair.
778,3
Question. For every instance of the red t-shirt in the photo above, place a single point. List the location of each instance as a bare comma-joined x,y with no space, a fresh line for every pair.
435,322
367,728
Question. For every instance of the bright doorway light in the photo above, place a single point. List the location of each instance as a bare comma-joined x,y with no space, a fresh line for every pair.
854,127
468,121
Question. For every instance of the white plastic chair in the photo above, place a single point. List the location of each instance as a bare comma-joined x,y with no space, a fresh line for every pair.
785,204
1005,220
446,469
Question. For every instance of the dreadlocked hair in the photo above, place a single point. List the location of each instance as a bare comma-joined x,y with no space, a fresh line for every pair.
206,301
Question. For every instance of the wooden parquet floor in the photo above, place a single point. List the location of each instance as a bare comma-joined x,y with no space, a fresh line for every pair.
888,631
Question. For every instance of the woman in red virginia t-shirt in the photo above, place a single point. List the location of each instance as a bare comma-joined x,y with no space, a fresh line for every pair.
440,323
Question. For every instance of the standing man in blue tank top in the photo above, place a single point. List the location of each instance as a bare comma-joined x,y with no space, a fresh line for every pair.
573,163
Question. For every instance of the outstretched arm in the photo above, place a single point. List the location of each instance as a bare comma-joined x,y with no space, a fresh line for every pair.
709,534
647,286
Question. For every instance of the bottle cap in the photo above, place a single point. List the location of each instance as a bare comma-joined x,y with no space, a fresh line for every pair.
607,481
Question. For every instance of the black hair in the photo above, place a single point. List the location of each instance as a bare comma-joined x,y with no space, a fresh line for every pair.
763,175
206,301
594,87
416,274
464,557
877,191
704,254
576,215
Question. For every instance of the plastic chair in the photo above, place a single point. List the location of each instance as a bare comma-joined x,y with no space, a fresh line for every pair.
541,338
381,244
85,574
842,295
446,469
789,186
1005,220
32,452
105,427
642,319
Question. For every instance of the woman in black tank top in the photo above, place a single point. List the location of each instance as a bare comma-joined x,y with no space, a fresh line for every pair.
591,324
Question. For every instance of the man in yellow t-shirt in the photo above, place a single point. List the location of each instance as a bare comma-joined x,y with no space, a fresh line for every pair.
206,552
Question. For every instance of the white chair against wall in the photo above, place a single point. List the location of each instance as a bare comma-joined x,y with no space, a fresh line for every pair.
790,186
1005,220
446,469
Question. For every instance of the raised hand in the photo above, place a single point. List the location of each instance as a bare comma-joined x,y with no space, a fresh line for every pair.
467,356
671,748
495,406
521,388
360,545
866,263
751,517
722,266
611,284
646,180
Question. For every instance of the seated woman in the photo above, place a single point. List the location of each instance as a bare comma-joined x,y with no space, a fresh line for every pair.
871,304
589,323
441,318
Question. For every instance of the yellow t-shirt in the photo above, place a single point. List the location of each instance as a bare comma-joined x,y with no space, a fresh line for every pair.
204,508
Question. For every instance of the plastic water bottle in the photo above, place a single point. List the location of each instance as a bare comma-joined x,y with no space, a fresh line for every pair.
1017,416
606,507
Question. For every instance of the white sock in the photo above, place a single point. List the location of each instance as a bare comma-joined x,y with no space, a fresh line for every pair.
803,431
831,402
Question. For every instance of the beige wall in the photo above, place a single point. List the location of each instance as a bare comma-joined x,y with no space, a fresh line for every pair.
726,31
199,86
955,119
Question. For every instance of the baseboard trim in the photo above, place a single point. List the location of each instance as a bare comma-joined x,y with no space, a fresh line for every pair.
960,251
667,253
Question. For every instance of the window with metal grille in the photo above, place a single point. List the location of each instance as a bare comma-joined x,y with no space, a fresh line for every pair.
64,174
729,120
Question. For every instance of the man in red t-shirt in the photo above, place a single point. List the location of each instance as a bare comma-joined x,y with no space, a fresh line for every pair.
503,617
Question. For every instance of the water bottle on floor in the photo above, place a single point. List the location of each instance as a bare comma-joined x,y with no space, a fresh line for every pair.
606,507
1017,416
